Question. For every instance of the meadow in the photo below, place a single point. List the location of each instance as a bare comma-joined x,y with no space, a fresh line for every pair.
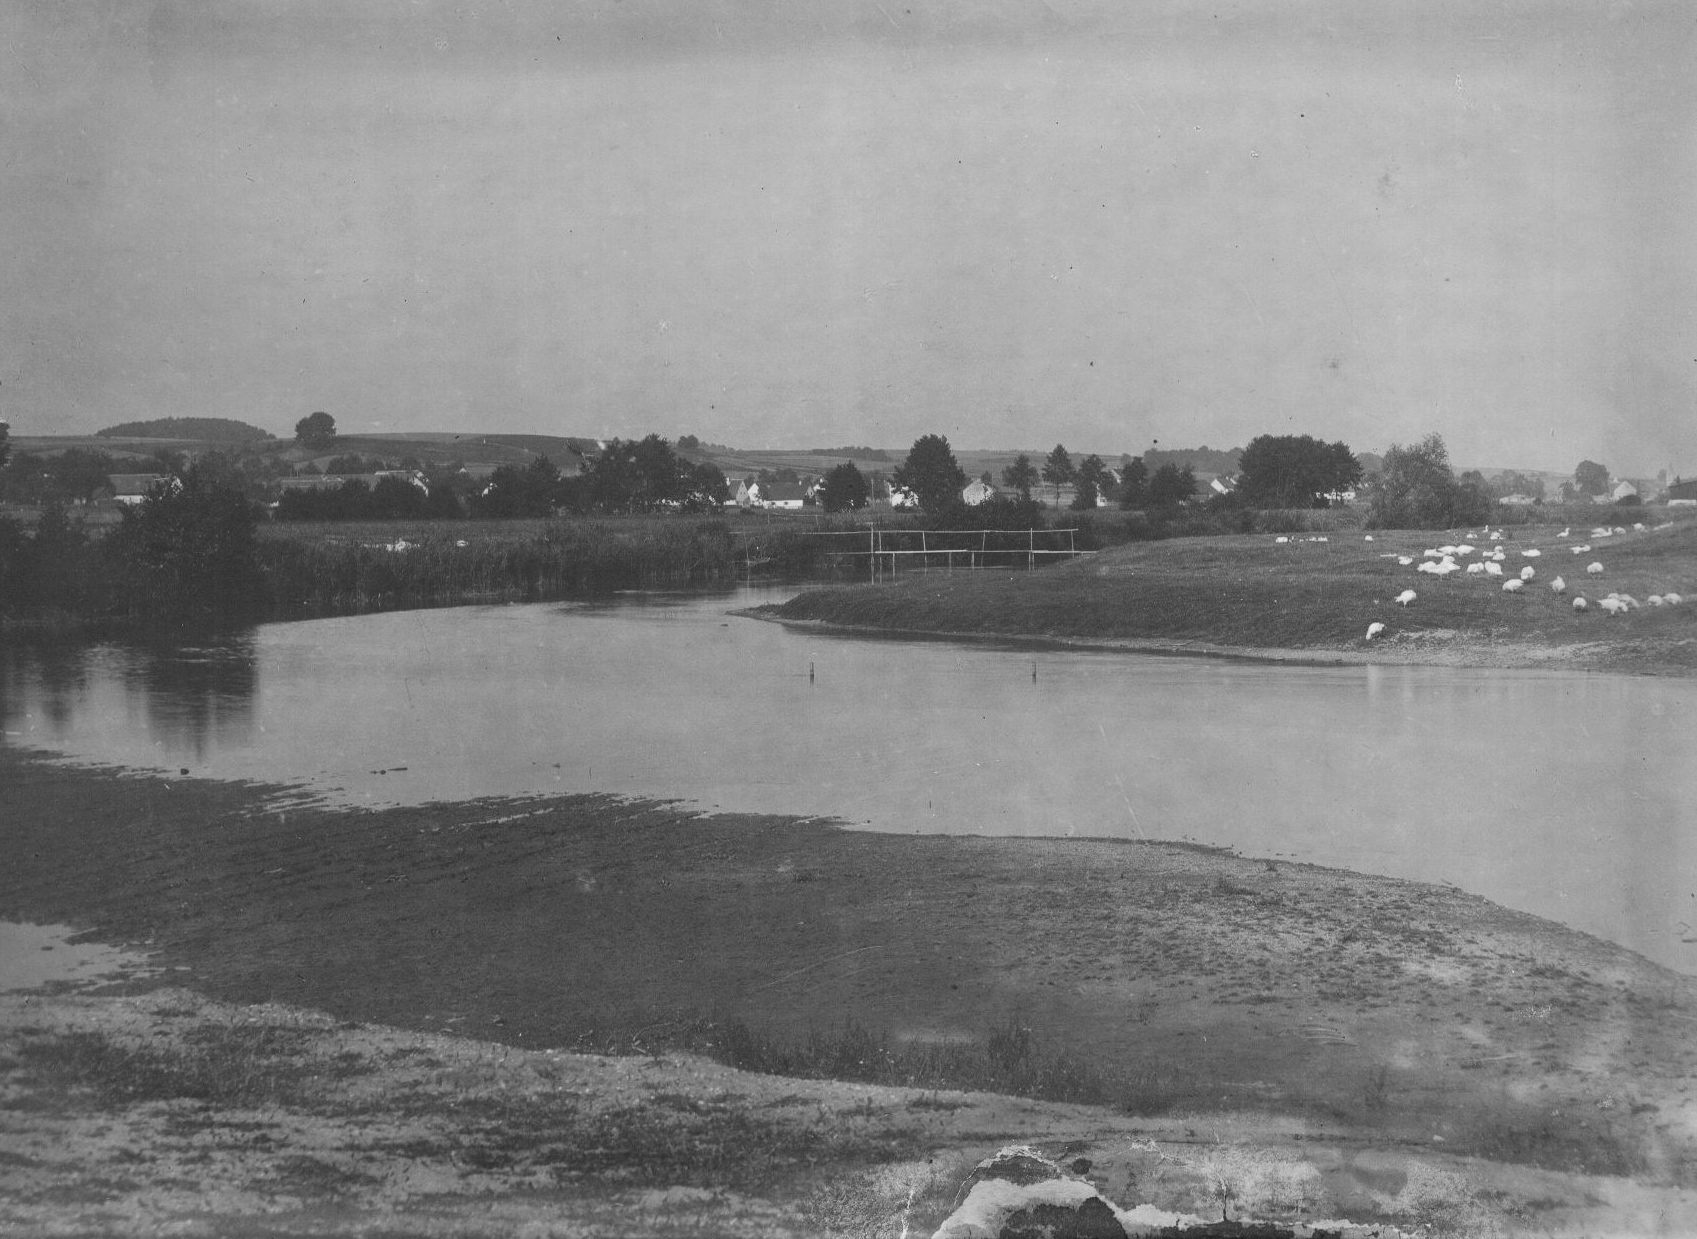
1316,594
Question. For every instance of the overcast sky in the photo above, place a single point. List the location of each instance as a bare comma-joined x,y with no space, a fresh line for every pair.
821,222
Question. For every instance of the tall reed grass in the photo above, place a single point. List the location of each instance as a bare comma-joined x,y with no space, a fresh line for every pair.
321,574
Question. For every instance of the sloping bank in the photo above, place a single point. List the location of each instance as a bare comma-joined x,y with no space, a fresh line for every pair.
1306,599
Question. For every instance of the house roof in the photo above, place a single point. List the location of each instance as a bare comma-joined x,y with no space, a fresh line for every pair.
777,491
135,483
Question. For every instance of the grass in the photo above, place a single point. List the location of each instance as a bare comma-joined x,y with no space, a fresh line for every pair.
1253,592
340,569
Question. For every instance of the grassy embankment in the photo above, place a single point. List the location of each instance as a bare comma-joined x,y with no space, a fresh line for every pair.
1308,598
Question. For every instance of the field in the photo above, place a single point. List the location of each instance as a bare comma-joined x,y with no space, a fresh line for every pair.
1313,596
1316,1041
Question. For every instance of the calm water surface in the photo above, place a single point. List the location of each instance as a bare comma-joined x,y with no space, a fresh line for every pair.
1569,796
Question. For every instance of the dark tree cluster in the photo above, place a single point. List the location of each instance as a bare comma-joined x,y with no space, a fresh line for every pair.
357,500
931,472
1294,471
845,489
646,475
1417,489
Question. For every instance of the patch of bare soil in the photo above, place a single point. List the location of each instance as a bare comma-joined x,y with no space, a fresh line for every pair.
1380,1033
167,1113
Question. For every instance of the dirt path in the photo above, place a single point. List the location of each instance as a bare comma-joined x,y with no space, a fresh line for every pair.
1183,989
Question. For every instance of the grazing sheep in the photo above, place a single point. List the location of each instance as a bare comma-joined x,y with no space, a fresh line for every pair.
1614,606
1374,629
1405,560
1579,603
1628,601
1558,586
1580,550
1494,568
1475,568
1673,600
1407,596
1465,549
1432,552
1281,539
1639,526
1513,585
1368,538
1447,549
1533,553
1620,528
1654,600
1526,574
1594,568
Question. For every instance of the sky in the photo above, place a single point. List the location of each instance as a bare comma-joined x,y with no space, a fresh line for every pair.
793,223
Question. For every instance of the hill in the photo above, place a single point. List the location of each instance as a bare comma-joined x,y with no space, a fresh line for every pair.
208,429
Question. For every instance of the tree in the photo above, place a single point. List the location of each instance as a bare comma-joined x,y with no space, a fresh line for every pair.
1092,476
1590,478
1171,485
845,489
189,549
1058,470
1020,476
1134,481
931,472
1416,489
317,431
1294,471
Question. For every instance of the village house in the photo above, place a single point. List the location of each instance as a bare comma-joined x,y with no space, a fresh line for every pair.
976,492
784,496
130,489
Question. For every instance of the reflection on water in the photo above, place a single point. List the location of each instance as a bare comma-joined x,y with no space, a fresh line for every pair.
1565,795
184,699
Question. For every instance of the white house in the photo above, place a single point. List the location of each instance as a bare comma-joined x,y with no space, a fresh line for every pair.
977,491
902,497
1624,490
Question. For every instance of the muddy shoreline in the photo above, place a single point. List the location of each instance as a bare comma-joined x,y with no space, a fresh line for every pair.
1199,983
1416,650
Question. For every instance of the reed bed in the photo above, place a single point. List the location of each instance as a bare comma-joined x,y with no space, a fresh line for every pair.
366,570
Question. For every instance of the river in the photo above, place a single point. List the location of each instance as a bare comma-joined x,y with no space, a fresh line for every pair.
1566,795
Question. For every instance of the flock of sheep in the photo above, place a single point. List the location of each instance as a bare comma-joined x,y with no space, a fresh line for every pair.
1442,561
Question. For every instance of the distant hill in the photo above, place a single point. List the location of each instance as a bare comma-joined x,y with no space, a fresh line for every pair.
209,429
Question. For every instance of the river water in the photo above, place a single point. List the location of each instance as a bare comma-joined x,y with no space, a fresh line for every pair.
1566,795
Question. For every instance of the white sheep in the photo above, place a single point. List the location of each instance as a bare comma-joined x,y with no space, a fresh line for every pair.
1374,629
1654,600
1673,600
1526,574
1407,596
1594,568
1513,585
1281,538
1580,550
1558,586
1531,554
1466,548
1494,568
1475,568
1579,603
1405,560
1614,606
1639,526
1447,549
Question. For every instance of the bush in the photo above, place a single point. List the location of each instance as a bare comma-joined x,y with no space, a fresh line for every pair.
1418,490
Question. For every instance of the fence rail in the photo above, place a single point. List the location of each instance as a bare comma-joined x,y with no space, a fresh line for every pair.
886,549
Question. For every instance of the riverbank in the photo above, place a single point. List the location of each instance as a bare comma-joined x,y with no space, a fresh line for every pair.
1312,599
1175,988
